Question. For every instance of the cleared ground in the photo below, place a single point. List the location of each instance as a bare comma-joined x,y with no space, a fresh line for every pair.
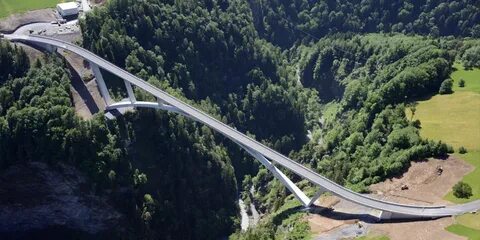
423,182
425,186
8,7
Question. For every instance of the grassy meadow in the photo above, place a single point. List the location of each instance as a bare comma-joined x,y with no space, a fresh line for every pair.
8,7
455,119
470,233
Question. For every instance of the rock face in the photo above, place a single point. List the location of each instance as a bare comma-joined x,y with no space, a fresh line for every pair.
41,202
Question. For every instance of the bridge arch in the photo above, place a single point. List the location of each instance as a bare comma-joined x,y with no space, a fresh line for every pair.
268,157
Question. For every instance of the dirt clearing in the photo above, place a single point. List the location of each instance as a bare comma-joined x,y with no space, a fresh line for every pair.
425,185
9,24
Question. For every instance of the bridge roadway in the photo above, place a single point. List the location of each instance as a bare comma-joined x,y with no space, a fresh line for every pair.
389,209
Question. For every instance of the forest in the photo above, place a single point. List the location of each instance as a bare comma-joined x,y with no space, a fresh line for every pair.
326,83
284,22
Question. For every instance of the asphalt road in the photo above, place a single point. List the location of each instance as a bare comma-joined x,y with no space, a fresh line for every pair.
400,210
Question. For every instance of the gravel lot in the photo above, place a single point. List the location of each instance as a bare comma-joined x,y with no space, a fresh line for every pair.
11,23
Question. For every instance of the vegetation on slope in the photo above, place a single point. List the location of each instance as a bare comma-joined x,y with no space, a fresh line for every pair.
371,78
229,59
454,119
185,174
213,52
284,22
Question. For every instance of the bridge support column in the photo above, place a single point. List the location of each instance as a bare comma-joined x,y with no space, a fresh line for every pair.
280,176
129,88
385,215
101,84
316,196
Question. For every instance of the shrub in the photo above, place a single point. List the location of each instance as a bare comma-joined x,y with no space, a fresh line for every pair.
446,87
461,83
462,190
462,150
471,57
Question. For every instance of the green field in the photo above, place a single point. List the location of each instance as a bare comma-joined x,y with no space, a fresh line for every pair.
451,118
469,220
472,178
8,7
471,77
470,233
455,119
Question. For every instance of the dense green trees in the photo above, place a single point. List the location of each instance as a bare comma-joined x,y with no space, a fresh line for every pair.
336,104
206,49
13,61
38,123
471,57
190,177
167,166
212,52
285,21
364,135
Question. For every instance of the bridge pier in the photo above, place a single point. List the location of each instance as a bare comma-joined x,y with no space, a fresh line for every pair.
299,194
101,84
129,88
316,196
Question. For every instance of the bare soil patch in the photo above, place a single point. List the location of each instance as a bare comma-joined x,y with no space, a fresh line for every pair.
425,187
334,215
419,230
11,23
320,224
424,184
85,95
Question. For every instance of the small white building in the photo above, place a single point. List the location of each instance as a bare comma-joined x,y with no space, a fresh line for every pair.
67,9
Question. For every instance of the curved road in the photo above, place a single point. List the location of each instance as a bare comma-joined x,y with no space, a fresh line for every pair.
398,210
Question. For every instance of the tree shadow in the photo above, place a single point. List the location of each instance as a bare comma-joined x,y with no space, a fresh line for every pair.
79,86
364,217
278,219
343,216
76,80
